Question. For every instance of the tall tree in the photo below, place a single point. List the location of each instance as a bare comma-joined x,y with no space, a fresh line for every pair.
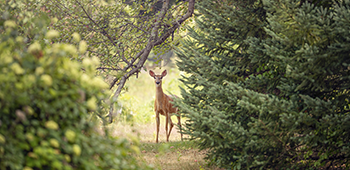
120,33
268,83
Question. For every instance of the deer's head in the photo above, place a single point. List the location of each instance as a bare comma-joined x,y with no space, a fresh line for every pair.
157,78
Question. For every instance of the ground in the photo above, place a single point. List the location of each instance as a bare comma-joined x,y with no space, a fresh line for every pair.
172,155
138,106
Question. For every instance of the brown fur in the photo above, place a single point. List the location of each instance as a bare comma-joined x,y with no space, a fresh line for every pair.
163,106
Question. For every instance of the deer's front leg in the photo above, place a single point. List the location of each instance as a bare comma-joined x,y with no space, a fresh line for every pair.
166,126
157,122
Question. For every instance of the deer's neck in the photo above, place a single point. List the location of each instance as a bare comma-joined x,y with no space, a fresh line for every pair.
159,93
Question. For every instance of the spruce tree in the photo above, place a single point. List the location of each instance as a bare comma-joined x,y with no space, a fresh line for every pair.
267,83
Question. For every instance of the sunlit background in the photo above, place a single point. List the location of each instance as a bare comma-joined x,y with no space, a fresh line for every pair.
136,103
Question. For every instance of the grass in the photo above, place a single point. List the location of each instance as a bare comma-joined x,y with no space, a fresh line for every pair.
173,155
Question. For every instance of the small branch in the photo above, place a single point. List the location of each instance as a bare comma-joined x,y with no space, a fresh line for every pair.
144,31
115,97
127,67
103,32
108,68
176,24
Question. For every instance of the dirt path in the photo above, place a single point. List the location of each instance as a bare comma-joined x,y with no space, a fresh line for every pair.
173,155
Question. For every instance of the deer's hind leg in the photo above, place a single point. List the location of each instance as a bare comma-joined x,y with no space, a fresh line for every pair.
171,124
179,123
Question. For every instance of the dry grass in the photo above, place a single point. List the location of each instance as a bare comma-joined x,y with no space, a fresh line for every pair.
187,159
174,155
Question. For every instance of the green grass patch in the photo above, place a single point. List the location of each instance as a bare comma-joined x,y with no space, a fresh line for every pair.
168,147
183,155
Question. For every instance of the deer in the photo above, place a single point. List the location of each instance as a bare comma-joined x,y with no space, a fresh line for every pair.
163,106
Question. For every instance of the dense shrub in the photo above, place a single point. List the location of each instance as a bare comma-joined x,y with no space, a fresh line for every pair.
46,100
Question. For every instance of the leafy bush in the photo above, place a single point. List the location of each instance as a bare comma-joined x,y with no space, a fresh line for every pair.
46,100
269,83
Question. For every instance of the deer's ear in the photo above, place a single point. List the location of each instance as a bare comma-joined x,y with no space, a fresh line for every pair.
151,73
164,73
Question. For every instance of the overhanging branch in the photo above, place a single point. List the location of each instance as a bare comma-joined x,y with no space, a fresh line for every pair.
153,41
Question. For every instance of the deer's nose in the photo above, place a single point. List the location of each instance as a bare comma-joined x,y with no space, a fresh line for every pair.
157,82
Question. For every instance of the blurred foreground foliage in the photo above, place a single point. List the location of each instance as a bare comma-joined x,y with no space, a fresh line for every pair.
47,100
